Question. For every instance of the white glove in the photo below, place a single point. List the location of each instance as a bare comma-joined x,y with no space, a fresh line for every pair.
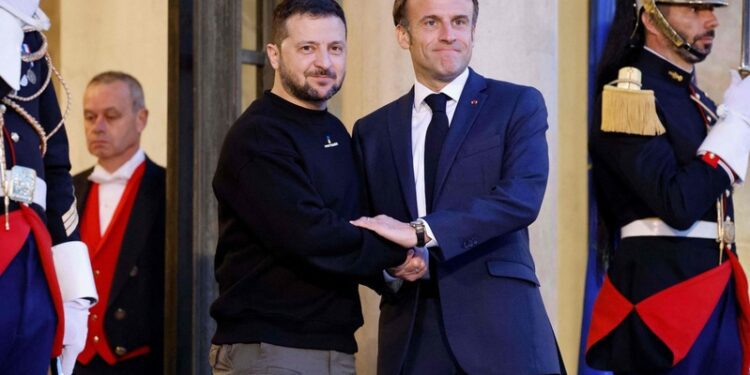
730,137
11,38
737,96
76,328
25,7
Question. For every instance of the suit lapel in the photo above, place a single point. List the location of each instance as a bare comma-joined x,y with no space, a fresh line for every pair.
469,105
82,185
141,219
399,129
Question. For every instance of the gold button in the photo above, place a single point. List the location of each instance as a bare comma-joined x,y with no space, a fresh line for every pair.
120,351
94,317
96,272
120,314
96,339
134,271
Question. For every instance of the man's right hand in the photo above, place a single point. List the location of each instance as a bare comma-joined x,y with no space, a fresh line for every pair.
413,268
737,96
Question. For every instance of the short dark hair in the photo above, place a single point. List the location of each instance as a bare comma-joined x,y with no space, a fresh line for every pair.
399,13
289,8
136,90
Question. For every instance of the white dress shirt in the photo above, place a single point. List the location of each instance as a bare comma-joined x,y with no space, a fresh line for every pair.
112,185
421,115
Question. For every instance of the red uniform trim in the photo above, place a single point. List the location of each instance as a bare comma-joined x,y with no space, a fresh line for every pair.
610,309
143,350
743,316
104,252
711,159
678,314
11,241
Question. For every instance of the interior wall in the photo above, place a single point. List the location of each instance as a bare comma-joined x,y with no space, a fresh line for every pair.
130,36
572,165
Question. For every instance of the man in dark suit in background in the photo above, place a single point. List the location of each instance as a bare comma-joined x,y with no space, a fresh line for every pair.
122,204
464,159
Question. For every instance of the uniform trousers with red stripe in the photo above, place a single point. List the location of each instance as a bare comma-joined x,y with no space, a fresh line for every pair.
643,266
716,351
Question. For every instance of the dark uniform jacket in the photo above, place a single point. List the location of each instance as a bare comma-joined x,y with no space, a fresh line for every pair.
22,148
135,310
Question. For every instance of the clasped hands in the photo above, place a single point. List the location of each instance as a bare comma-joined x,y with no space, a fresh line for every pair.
402,234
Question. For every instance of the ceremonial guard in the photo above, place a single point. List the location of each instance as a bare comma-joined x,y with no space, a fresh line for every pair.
665,160
46,283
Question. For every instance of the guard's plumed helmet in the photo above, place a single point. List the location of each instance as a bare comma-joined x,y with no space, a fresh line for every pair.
650,7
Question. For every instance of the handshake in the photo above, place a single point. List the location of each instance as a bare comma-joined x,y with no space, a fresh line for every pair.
402,234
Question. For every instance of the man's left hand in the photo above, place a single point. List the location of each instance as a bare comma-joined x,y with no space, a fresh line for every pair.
390,229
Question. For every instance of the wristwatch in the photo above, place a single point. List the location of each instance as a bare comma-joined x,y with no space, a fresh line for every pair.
419,229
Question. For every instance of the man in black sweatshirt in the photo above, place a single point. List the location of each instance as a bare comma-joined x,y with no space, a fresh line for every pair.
288,260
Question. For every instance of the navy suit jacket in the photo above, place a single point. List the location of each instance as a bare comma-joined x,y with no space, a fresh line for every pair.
490,183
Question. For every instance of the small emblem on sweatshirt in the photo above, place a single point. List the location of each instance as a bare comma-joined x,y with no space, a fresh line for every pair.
329,143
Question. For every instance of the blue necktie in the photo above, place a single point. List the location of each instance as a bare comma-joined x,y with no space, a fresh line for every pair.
433,144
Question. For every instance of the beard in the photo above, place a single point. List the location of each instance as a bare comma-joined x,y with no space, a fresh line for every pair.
304,91
705,51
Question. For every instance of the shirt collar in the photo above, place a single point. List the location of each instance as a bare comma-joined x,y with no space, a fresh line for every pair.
122,174
452,89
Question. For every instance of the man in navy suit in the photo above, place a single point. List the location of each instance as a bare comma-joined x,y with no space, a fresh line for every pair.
463,159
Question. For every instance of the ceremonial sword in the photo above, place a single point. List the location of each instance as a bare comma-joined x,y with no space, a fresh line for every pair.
745,48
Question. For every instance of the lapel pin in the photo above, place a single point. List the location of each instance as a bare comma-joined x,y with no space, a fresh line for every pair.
330,143
474,102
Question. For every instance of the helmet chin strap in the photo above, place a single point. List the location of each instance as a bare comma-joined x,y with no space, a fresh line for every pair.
691,50
668,31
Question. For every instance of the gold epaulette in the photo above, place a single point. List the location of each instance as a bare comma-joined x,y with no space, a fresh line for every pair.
628,109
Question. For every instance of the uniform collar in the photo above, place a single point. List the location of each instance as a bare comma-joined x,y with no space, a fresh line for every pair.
654,64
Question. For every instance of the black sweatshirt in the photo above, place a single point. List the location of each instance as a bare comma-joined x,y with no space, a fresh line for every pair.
287,259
